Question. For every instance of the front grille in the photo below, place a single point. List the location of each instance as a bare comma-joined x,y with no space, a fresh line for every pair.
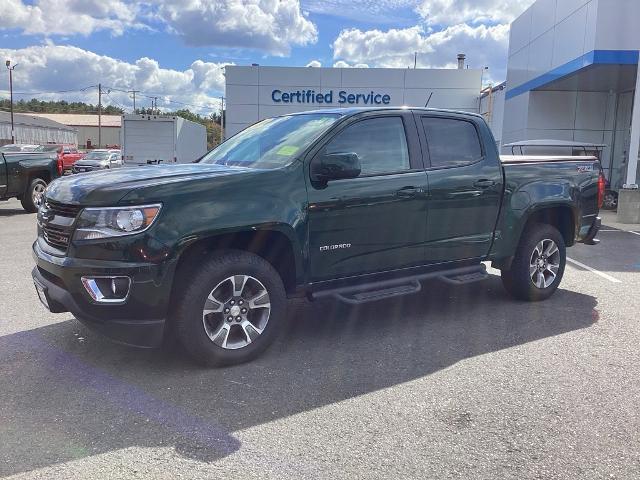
57,221
62,209
56,236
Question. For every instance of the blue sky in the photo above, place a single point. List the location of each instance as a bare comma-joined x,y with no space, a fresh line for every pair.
177,48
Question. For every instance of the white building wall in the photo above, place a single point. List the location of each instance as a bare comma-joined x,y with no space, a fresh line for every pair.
34,134
249,89
110,136
549,35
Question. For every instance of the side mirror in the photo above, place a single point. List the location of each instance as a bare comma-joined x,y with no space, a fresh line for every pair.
336,166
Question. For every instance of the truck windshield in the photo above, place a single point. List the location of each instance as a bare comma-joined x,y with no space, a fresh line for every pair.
271,143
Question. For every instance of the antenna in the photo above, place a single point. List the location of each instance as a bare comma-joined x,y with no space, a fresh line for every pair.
428,100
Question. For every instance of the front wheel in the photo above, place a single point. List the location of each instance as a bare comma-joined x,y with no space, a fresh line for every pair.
232,310
539,263
32,198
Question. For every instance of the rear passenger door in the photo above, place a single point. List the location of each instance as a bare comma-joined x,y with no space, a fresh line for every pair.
465,187
377,221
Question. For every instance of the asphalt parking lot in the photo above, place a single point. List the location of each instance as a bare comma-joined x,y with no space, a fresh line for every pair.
450,383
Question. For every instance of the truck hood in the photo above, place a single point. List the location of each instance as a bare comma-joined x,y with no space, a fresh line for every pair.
108,187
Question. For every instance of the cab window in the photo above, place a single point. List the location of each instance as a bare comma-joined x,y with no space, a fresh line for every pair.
451,143
381,145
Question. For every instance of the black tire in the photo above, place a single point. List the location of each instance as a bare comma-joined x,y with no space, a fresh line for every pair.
28,200
518,280
190,321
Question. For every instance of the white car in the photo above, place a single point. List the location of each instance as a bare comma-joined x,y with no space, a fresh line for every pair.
99,159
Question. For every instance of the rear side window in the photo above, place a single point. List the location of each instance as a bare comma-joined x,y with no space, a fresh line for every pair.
381,144
452,143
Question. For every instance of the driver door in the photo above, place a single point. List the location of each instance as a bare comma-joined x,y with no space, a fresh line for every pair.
377,221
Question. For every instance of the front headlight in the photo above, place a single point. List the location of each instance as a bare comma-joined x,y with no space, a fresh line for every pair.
95,223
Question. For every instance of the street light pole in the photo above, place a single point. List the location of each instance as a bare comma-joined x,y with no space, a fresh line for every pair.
10,68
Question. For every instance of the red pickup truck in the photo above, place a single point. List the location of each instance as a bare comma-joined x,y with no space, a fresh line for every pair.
68,154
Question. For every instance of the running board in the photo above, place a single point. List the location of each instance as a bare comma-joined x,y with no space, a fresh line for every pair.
384,289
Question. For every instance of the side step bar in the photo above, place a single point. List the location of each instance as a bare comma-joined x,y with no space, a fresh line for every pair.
383,289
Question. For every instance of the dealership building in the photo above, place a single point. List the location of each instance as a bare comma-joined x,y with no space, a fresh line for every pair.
254,92
572,75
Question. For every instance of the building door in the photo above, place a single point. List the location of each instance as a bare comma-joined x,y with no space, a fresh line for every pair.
376,222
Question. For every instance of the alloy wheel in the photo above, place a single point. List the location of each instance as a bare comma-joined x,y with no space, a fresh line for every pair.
544,264
236,311
37,193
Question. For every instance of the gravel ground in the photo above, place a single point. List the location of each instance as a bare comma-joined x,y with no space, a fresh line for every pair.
450,383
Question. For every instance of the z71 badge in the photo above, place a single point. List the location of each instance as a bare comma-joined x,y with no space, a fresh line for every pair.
341,246
585,168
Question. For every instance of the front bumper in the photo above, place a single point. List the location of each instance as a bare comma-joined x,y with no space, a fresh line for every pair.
140,321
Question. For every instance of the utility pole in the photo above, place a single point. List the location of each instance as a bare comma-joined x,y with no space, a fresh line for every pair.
99,115
133,92
415,60
10,68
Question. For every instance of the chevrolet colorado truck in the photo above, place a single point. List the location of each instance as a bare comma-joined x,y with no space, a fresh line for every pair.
25,176
357,205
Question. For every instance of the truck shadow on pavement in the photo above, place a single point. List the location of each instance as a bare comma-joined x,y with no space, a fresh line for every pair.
69,394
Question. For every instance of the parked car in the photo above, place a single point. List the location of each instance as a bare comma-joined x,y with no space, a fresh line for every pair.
68,154
355,205
98,160
18,147
25,176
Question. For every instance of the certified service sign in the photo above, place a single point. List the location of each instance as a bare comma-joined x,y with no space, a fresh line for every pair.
331,98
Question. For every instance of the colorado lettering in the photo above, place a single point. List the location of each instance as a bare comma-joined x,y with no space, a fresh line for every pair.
343,97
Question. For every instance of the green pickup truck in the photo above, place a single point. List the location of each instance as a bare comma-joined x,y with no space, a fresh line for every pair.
25,176
357,205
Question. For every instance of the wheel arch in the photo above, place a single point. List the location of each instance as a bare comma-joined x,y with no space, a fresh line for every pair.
272,243
561,216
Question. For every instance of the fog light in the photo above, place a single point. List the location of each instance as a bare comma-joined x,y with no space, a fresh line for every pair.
107,289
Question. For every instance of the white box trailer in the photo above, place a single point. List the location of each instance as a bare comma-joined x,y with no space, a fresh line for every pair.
161,139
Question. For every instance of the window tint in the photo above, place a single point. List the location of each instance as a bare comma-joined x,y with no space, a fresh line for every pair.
380,143
451,142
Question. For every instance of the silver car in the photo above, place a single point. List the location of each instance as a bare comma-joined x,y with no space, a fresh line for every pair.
98,160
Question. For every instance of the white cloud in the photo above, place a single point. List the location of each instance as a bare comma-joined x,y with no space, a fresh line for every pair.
484,46
51,67
68,17
343,64
270,25
273,26
451,12
372,11
314,63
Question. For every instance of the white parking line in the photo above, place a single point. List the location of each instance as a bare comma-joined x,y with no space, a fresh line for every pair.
635,233
593,270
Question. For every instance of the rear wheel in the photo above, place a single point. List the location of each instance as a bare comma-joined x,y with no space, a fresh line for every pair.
232,310
33,197
539,263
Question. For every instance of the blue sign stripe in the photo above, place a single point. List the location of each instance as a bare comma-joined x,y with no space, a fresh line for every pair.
595,57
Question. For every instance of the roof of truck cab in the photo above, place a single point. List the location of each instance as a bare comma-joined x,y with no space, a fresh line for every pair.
347,111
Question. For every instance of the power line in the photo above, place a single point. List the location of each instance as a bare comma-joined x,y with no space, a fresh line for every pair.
53,91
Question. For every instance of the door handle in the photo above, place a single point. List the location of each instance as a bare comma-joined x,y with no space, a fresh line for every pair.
409,192
484,183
